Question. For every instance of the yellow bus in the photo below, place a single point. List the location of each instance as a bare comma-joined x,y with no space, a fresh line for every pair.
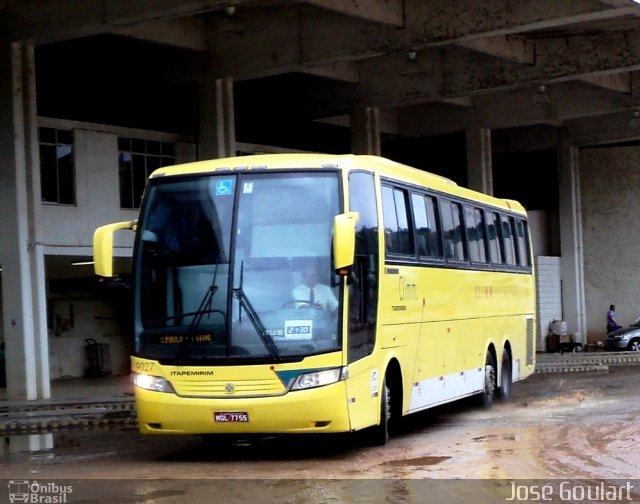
304,293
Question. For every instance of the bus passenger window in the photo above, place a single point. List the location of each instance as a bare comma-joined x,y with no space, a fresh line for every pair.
507,237
522,240
453,235
396,223
476,234
427,234
494,238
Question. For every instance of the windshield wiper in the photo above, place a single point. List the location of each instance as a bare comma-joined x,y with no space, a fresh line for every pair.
254,318
203,309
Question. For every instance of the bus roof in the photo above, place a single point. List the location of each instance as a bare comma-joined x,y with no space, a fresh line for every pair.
382,166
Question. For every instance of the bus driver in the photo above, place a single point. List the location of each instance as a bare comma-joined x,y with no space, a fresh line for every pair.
315,294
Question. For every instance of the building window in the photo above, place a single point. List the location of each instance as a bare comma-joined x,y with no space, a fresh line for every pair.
57,175
137,159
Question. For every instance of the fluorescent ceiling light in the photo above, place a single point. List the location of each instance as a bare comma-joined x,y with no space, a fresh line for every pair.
81,263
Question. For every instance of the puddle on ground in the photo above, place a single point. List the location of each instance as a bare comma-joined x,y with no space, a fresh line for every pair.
416,462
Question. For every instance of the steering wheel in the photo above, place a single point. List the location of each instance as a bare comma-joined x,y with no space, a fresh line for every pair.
305,302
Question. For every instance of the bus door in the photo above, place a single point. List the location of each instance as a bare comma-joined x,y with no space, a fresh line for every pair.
365,377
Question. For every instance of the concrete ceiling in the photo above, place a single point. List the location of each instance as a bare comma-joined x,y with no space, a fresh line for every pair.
432,66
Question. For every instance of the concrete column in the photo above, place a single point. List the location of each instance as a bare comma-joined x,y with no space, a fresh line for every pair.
571,244
365,130
34,197
40,333
217,120
23,301
479,165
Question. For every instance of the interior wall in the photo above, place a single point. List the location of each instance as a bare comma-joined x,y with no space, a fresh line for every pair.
610,184
540,233
73,322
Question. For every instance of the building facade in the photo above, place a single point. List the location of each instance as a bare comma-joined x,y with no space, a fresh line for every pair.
504,99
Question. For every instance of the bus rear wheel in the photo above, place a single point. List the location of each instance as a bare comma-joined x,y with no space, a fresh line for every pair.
505,389
489,391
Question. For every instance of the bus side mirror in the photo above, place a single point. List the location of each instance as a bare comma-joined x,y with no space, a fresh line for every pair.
344,242
103,247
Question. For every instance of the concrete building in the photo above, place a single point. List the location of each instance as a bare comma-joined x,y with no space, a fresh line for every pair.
537,101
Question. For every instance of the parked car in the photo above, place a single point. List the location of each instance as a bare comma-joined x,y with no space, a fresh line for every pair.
626,338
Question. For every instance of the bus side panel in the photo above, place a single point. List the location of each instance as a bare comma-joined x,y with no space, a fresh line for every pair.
448,366
452,354
401,309
456,314
524,352
363,392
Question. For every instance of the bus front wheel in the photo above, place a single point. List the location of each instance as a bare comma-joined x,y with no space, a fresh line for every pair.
378,435
489,392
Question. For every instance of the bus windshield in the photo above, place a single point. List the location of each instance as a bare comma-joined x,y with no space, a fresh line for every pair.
237,267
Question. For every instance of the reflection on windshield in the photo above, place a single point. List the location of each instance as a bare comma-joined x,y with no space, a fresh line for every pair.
284,230
281,265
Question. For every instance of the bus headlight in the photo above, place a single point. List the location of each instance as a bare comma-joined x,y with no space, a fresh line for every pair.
155,383
319,378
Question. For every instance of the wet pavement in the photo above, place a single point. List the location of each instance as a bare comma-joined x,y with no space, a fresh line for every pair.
557,426
76,404
107,402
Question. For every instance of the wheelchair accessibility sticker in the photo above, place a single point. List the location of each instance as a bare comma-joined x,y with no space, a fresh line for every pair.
375,383
224,187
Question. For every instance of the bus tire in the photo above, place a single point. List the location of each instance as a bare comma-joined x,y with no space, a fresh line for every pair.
489,391
504,393
378,435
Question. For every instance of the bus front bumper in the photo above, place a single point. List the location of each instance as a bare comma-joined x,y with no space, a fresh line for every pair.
322,409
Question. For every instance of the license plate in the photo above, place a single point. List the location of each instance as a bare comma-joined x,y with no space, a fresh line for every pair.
231,416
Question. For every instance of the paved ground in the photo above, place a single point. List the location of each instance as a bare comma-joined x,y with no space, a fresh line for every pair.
558,426
81,403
